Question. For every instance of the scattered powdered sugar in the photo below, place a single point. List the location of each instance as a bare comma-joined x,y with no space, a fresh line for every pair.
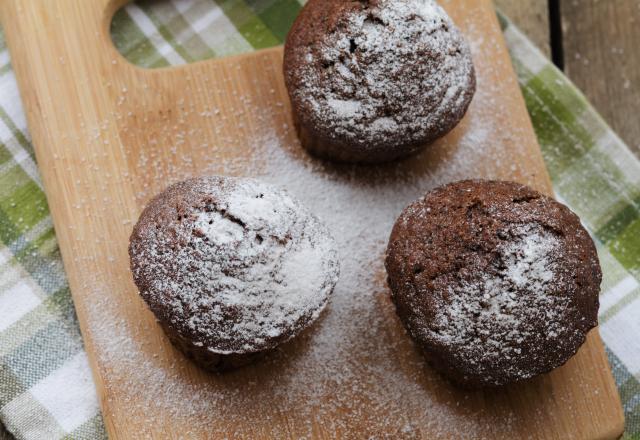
396,67
491,317
247,269
355,373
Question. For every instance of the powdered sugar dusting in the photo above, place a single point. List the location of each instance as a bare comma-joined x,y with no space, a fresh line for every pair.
218,229
399,67
489,318
248,267
527,259
345,109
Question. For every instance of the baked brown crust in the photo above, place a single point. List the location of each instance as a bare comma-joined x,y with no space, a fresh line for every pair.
496,282
372,81
231,268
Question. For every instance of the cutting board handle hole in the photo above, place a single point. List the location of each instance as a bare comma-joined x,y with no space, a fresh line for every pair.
160,33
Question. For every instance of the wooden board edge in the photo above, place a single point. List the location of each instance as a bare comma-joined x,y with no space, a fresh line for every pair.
617,428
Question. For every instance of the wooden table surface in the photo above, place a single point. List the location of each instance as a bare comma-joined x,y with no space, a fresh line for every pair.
595,44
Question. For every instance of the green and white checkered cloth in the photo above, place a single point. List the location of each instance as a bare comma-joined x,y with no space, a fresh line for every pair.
46,390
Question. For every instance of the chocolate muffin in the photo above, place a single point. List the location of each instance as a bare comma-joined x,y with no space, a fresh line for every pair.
375,80
231,268
496,282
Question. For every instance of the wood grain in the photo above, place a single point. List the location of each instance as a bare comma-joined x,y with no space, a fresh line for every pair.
601,56
109,135
532,17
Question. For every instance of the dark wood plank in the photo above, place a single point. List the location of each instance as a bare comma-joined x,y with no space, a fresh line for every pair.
532,17
601,56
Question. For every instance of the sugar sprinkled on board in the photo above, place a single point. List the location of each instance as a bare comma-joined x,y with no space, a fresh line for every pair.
325,381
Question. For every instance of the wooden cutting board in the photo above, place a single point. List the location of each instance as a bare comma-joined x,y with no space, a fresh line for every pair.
109,135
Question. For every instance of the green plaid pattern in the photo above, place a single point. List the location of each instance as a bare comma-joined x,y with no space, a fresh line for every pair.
46,390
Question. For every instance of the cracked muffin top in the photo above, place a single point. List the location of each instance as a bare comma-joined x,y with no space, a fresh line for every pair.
233,265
